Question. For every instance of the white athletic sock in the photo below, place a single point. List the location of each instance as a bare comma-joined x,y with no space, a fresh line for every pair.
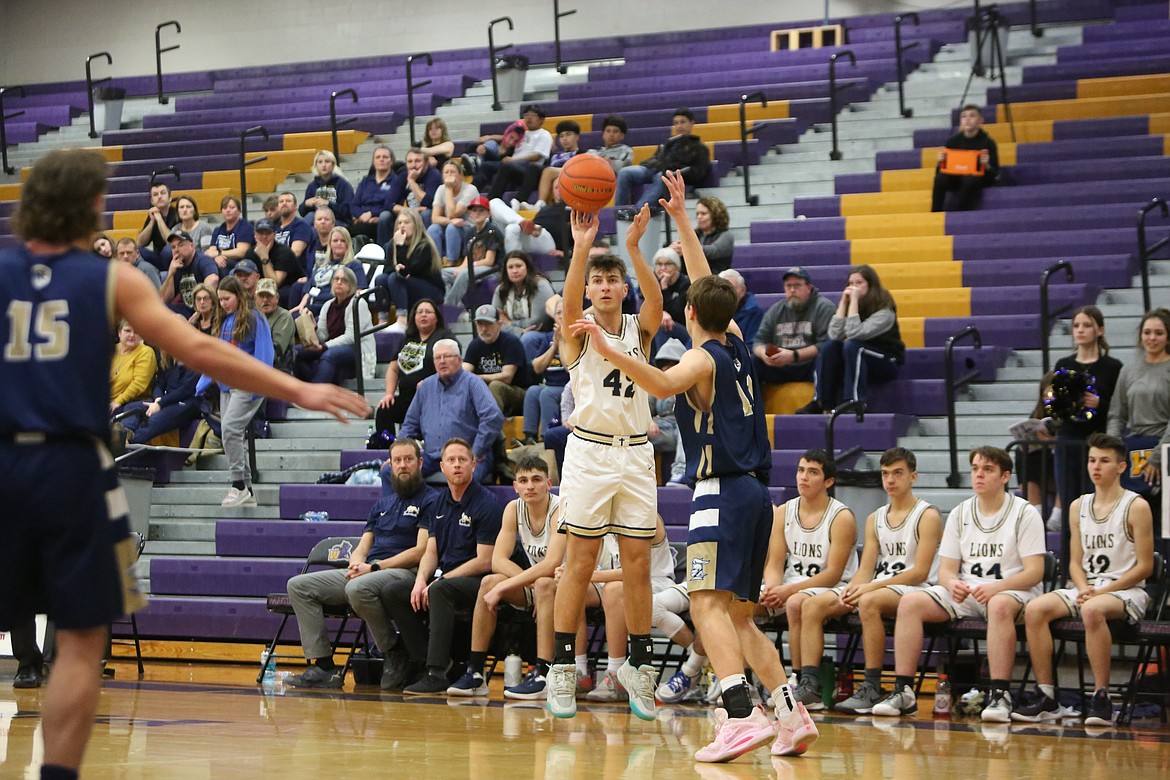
613,664
732,680
783,700
1048,690
694,663
582,662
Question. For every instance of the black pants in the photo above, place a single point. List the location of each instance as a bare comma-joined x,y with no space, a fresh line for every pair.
969,191
446,596
24,645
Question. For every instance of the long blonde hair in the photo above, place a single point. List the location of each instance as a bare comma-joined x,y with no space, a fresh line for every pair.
348,258
417,235
328,155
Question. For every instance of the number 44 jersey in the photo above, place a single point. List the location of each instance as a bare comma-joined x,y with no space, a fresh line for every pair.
993,548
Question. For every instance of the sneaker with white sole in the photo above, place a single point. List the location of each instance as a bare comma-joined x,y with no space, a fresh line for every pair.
562,690
808,693
862,700
736,736
640,682
676,687
608,689
315,677
900,702
1100,711
998,709
584,683
470,684
795,732
533,687
237,497
1041,708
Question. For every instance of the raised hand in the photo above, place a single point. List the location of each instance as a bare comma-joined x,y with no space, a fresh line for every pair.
584,225
638,226
676,207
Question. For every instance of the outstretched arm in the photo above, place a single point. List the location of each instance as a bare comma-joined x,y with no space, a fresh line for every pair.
694,367
584,226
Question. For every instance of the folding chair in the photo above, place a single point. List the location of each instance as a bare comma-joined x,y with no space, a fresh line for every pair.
140,545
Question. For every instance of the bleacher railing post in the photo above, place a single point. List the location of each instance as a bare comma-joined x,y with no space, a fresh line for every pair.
748,198
836,153
951,385
492,51
244,163
1145,251
333,123
899,50
159,51
557,16
1046,316
854,407
366,295
3,131
90,84
411,87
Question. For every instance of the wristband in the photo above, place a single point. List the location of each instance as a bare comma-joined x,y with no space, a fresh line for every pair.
796,355
375,567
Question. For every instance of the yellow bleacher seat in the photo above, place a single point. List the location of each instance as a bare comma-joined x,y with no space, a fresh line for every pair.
902,250
513,428
785,399
910,179
208,199
347,140
1088,108
729,112
585,120
918,276
948,302
913,330
859,204
9,192
1159,124
259,180
118,234
1124,85
895,226
130,220
641,153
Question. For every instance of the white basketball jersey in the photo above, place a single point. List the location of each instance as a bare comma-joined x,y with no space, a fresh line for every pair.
993,548
535,545
662,557
1107,544
897,547
608,401
808,548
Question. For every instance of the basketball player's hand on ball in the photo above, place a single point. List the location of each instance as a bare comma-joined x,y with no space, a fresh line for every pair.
598,341
584,225
638,227
676,207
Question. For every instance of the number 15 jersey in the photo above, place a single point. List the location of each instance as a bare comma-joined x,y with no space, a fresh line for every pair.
993,548
608,401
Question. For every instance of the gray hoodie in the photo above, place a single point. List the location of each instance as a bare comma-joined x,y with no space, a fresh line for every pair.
787,328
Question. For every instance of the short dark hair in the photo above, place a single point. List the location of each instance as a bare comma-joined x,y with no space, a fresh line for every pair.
994,455
154,184
271,202
606,262
827,463
683,112
535,108
972,107
1104,441
58,202
457,441
714,300
127,240
568,126
895,454
226,199
407,442
615,121
531,463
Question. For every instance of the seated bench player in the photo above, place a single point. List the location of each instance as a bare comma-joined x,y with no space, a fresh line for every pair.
992,562
1111,552
900,556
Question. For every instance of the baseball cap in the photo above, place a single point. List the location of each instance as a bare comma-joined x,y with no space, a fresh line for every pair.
487,313
798,270
180,234
266,287
245,266
264,223
671,349
480,202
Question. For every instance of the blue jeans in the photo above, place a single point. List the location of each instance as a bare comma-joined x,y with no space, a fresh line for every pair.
405,291
845,369
166,419
542,405
633,175
450,239
335,364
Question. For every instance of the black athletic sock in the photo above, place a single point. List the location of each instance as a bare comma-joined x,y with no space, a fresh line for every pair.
737,700
477,660
52,772
641,650
239,484
903,681
1001,685
542,667
565,647
326,664
874,677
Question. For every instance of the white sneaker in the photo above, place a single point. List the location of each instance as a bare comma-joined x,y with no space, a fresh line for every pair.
998,709
639,682
539,205
608,689
236,497
515,204
397,327
562,690
898,703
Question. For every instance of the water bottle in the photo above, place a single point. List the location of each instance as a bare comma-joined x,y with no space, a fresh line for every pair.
268,660
942,697
828,679
315,516
513,675
844,684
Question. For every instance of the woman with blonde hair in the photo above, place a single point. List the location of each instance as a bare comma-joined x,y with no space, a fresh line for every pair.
318,286
132,369
416,267
329,187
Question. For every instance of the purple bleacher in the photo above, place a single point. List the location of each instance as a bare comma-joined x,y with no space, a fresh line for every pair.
1123,31
1154,45
808,110
1095,69
921,397
54,115
215,618
179,151
1140,12
784,463
951,31
177,576
387,344
342,502
277,538
135,86
305,95
25,132
1081,172
424,103
1018,331
1102,271
378,123
364,81
876,432
76,99
1055,151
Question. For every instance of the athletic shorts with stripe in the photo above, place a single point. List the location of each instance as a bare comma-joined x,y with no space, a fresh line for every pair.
727,542
609,488
1134,599
969,608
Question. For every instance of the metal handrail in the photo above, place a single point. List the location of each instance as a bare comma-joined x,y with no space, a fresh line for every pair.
159,51
1144,251
744,131
899,50
166,169
1036,33
411,87
90,83
835,154
492,51
244,163
333,123
1047,317
951,385
367,295
558,14
855,407
3,131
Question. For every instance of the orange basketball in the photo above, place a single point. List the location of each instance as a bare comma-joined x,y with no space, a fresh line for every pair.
587,182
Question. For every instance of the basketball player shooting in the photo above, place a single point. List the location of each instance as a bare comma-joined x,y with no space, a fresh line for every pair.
729,459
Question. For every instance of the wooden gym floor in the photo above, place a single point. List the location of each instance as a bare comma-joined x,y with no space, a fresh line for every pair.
209,722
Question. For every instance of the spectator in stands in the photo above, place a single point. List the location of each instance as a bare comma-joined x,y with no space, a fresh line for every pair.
547,233
128,254
498,358
1034,465
418,269
188,268
674,284
275,261
160,221
711,225
371,198
454,404
412,363
483,250
484,161
329,187
207,311
320,280
748,313
568,139
280,323
529,523
663,433
246,329
390,549
437,143
324,220
1141,405
793,331
865,345
189,220
522,167
291,230
132,368
542,402
461,539
449,228
1111,538
232,238
522,299
103,247
249,275
613,146
969,188
172,404
414,190
991,564
271,208
683,151
333,360
556,437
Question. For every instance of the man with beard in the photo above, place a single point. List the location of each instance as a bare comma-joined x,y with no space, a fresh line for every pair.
292,231
389,551
280,322
792,331
188,268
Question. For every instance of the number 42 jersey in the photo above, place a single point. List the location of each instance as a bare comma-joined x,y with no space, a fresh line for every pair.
608,401
993,548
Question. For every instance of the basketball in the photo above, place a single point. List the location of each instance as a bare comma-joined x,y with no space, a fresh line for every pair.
587,182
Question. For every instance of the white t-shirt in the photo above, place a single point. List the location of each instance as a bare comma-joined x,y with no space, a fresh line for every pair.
538,141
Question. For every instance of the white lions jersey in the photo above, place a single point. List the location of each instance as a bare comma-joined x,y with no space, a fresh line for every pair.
897,547
608,401
1107,543
993,548
662,557
535,544
808,548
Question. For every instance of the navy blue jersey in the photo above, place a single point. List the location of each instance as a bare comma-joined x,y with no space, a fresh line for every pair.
732,438
57,332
